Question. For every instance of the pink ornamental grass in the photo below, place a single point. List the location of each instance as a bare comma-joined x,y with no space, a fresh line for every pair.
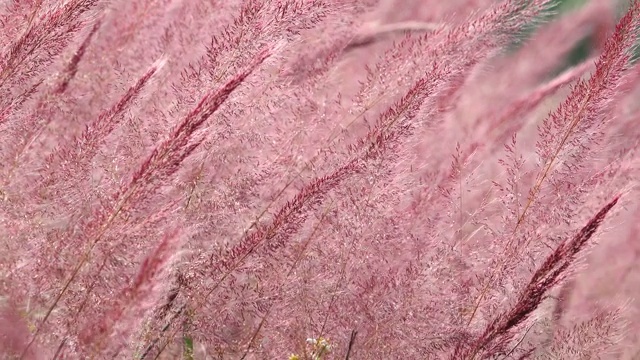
318,180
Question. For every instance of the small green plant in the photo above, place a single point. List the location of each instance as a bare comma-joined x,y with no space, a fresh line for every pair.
317,349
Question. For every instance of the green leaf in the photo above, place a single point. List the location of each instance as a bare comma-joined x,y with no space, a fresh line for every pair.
187,344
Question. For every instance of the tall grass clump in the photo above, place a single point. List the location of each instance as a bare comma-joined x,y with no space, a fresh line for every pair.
319,179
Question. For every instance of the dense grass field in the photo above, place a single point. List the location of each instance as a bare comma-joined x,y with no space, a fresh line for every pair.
319,179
